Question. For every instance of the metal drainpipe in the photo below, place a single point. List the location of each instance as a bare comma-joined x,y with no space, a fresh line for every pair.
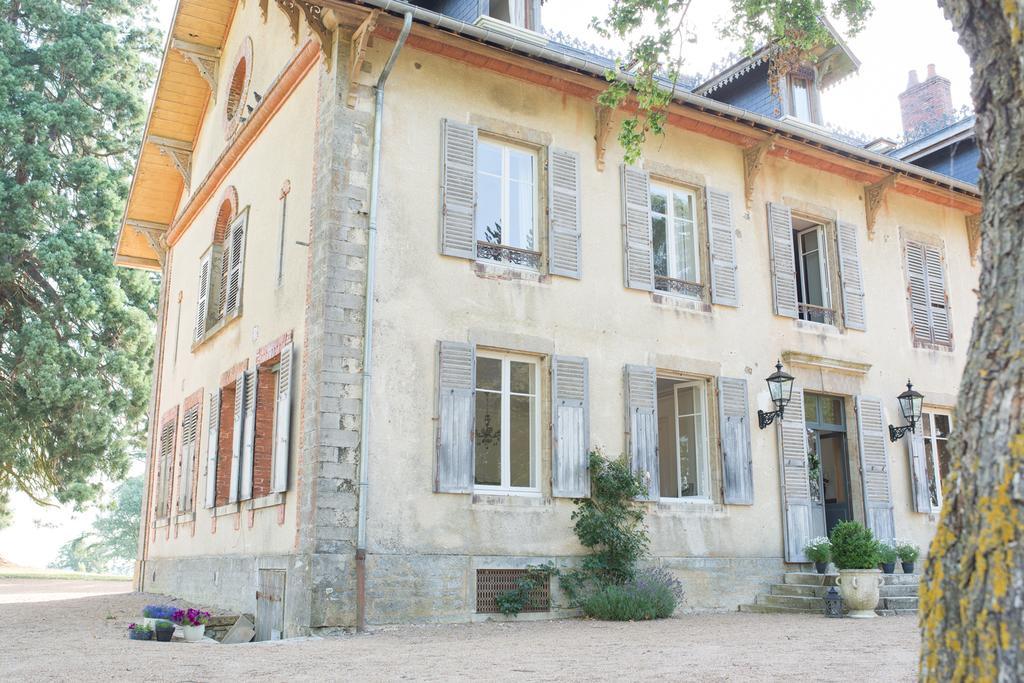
371,272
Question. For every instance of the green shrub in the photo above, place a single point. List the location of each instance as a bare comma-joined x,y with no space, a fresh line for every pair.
907,551
887,554
611,524
854,547
651,594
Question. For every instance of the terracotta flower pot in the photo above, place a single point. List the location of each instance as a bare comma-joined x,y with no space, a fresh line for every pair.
859,588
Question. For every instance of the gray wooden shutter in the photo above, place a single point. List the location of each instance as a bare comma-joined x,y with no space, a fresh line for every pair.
458,189
918,472
854,315
642,425
166,455
780,240
283,421
799,523
189,438
636,228
249,434
725,289
236,263
937,301
218,276
212,442
225,265
734,424
570,428
203,301
564,225
456,418
917,291
236,436
874,464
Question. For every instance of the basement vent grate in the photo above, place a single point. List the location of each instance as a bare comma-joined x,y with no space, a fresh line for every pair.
490,583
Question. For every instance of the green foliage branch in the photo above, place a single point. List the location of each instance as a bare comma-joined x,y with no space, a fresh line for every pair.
75,331
655,31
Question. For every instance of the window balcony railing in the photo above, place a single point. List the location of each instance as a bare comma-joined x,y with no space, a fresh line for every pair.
694,290
514,256
817,314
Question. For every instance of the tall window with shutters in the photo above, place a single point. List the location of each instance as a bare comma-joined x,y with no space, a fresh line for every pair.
221,270
815,269
491,209
489,429
930,323
677,239
668,427
187,459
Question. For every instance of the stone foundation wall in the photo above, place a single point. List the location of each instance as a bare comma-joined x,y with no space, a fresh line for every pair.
442,588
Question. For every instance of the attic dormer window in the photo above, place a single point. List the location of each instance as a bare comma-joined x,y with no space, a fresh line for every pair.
514,12
802,98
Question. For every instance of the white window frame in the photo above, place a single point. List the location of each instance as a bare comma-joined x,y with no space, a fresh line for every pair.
670,242
505,179
823,267
929,414
506,488
808,89
704,452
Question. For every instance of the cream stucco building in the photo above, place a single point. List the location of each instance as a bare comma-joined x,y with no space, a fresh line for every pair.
532,297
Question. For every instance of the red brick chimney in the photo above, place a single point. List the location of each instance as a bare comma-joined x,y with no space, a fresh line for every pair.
924,103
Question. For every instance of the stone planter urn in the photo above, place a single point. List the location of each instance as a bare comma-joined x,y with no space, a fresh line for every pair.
859,588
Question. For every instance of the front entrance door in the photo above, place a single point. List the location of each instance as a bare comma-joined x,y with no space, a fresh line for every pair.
828,461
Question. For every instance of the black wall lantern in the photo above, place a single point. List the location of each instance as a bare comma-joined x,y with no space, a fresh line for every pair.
780,385
911,403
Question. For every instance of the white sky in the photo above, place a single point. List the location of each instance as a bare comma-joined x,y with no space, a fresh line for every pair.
900,36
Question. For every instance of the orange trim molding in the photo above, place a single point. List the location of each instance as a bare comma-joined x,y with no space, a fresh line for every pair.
244,138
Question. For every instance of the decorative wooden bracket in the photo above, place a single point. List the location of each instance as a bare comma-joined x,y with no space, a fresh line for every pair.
292,12
264,8
180,154
204,58
314,19
602,127
973,224
874,195
154,234
753,160
357,54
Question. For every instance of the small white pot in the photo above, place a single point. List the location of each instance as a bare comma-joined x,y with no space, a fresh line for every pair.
859,588
193,634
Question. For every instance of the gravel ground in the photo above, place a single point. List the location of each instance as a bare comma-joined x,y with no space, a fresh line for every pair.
64,630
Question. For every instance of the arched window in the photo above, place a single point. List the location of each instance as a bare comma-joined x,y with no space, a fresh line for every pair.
220,269
238,88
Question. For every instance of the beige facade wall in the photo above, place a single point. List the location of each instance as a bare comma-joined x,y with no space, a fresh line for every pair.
424,297
268,311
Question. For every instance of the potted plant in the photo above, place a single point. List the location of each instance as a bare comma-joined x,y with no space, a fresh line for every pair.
887,557
164,630
139,632
908,554
819,551
153,613
192,622
855,554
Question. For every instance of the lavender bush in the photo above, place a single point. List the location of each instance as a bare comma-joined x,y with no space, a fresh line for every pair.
652,593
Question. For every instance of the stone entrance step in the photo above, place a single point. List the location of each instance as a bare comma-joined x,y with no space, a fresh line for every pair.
802,592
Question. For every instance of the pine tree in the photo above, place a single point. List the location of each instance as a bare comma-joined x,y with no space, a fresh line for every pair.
75,331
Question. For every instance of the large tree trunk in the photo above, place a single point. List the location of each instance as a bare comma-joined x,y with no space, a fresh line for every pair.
972,606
